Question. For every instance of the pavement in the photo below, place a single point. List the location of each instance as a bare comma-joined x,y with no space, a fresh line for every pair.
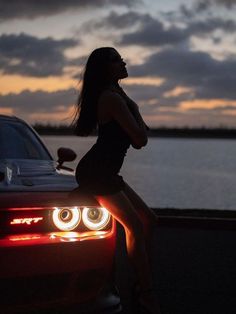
193,265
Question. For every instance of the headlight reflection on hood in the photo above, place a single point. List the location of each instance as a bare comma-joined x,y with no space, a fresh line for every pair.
95,218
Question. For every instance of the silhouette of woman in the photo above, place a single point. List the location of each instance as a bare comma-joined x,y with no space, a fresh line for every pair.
103,103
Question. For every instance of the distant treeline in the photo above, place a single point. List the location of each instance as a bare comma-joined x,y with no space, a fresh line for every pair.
153,132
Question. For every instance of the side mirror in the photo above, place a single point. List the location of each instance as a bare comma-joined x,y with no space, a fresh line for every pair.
65,154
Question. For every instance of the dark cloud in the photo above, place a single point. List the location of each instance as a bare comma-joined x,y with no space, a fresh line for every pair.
210,78
221,87
27,55
142,92
149,31
153,33
112,22
195,9
169,62
202,6
145,30
209,25
226,3
27,104
115,20
31,9
39,101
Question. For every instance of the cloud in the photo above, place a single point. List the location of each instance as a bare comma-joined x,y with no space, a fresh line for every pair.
55,107
39,102
152,32
211,24
31,56
115,20
202,6
40,106
209,78
143,92
32,9
226,3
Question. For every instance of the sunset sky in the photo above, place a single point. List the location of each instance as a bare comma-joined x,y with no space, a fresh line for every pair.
180,55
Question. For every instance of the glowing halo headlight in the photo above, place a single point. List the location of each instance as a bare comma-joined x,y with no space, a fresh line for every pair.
95,218
66,218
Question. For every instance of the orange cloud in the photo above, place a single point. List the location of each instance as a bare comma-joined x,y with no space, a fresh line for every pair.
7,111
177,91
230,112
17,83
143,81
59,117
205,104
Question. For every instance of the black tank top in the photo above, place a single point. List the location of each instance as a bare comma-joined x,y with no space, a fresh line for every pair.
107,155
112,137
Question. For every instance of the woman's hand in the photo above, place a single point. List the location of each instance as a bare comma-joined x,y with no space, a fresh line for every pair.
133,125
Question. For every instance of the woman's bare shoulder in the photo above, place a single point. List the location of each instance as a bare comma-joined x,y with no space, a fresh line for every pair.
108,101
109,95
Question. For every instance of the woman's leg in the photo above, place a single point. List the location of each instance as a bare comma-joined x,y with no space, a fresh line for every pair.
148,217
123,211
146,214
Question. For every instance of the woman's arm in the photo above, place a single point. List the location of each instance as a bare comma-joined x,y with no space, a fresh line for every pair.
132,123
135,111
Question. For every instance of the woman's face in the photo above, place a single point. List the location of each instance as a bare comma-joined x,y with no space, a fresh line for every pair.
117,69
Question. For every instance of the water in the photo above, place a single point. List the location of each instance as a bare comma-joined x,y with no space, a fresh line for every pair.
179,173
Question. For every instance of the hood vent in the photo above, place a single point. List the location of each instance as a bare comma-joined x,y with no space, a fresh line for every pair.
29,168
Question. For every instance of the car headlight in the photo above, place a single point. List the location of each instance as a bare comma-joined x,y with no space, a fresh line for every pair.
66,218
95,218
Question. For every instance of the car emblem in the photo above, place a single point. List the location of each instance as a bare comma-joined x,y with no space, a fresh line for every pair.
27,221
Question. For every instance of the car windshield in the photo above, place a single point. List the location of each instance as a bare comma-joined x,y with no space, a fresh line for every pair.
17,141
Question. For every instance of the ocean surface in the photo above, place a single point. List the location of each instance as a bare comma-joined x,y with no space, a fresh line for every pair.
170,172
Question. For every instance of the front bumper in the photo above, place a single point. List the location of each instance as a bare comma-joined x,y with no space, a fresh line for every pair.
54,270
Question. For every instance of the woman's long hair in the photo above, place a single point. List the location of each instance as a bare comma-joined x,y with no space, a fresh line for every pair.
95,80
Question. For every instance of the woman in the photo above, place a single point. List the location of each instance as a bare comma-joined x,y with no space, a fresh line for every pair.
103,103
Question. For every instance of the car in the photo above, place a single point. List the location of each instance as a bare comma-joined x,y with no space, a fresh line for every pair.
57,245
